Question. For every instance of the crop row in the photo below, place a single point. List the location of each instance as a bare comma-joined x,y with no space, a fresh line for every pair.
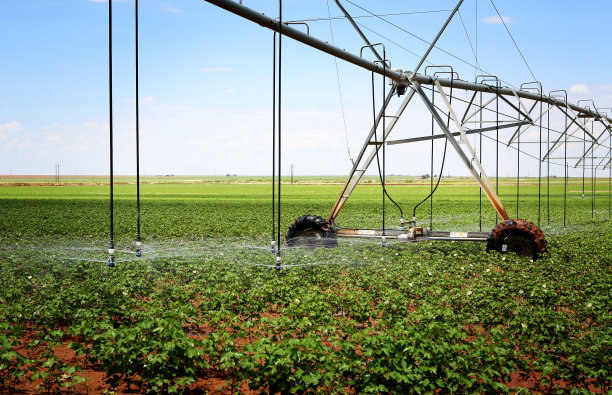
418,318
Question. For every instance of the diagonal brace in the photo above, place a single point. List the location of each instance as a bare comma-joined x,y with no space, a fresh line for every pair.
484,182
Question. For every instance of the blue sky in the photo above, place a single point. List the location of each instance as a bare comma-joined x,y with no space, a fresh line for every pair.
205,79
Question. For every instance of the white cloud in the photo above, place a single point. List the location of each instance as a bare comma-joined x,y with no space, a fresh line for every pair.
228,92
53,138
91,124
13,125
172,9
25,144
199,143
495,20
215,69
2,137
75,147
580,89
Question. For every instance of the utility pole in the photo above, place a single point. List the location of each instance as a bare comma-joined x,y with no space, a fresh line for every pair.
292,174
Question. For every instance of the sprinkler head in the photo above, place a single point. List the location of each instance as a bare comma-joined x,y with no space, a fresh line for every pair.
384,241
111,257
138,248
273,246
278,262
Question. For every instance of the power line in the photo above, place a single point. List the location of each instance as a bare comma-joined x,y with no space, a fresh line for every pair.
418,38
517,47
348,149
329,18
469,40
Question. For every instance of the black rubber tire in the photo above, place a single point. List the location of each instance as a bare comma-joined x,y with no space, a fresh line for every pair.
518,242
310,231
517,236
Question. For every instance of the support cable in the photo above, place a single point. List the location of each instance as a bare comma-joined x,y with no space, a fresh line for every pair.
329,18
457,98
138,239
515,44
477,66
511,146
413,35
111,246
331,31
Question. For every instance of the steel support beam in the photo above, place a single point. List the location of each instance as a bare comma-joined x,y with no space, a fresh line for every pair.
400,77
484,183
520,132
360,168
440,136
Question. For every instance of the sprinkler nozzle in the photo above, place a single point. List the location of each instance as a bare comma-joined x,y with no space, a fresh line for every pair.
402,222
138,248
111,257
278,262
384,241
273,246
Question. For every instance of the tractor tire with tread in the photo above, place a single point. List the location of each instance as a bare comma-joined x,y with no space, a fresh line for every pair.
518,236
310,231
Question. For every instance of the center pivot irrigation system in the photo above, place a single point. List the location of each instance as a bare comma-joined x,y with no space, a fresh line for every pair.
529,107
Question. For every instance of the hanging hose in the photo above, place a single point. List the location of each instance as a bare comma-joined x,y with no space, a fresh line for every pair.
138,240
280,63
273,242
111,246
443,156
377,159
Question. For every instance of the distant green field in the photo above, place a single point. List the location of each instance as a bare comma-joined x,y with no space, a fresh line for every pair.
212,209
